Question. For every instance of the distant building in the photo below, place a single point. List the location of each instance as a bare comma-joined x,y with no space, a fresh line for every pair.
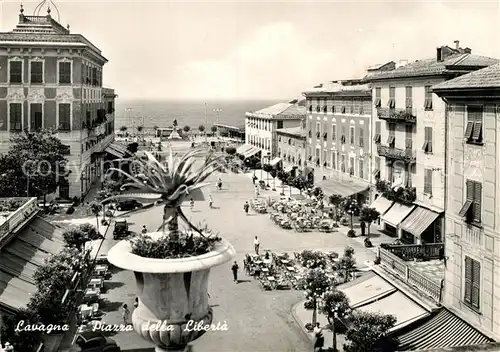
260,128
51,78
338,136
291,147
408,141
471,288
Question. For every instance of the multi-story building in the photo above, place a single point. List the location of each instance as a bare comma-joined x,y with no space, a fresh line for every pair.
291,147
260,128
408,142
472,246
338,136
51,78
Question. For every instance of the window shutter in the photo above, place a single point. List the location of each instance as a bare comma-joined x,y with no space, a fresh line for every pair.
476,283
468,130
468,280
470,190
477,201
429,139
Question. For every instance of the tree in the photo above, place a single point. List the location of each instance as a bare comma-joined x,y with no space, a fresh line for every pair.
318,193
313,259
351,207
369,215
347,263
231,150
300,183
34,166
336,201
213,129
75,237
224,133
366,329
21,340
334,305
201,128
282,176
186,129
123,129
274,173
267,168
140,128
95,209
315,283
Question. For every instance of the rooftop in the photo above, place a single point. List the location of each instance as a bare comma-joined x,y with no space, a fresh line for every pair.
488,77
292,110
339,87
447,61
292,131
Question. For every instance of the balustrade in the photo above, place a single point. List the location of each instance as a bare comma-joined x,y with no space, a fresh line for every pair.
395,153
397,115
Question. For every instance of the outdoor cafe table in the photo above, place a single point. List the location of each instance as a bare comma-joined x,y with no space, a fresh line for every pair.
101,269
91,294
271,278
265,270
258,262
96,283
267,261
284,261
85,310
290,268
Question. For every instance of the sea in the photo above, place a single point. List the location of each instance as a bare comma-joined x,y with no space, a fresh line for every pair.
161,113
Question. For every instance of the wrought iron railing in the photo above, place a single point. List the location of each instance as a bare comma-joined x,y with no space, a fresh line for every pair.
396,153
397,115
422,251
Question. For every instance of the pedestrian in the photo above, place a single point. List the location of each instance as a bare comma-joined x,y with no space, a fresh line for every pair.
256,245
363,228
125,314
144,229
136,302
210,201
246,206
319,339
256,191
191,204
235,268
254,178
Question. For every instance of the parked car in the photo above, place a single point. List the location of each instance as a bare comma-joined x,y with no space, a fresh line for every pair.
129,204
121,229
93,341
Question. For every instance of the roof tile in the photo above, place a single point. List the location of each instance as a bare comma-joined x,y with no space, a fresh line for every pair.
488,77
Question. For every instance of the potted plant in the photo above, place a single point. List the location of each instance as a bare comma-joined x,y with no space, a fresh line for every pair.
171,266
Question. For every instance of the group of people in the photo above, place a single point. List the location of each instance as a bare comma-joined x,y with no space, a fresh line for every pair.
235,267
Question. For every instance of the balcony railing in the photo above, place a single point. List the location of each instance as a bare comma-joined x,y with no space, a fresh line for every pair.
409,275
428,251
18,216
395,153
397,115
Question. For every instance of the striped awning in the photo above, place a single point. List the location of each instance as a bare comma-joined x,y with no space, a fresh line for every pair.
419,220
251,152
443,330
243,148
397,214
275,161
381,205
114,152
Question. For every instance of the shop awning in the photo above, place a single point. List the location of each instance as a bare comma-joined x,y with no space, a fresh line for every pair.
397,214
400,306
243,148
251,152
366,289
22,257
381,205
344,186
114,152
419,220
275,161
441,331
119,147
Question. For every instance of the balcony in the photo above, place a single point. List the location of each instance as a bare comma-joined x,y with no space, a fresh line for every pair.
418,266
396,115
396,154
403,195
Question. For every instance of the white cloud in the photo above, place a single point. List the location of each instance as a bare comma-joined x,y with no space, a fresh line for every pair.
274,62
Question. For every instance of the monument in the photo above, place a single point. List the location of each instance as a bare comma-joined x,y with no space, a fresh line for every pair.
174,134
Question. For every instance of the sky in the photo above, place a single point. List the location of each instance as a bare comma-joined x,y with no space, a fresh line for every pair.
262,50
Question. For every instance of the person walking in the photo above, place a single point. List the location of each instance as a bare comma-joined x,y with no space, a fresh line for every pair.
363,228
210,202
246,206
256,245
234,269
256,191
191,204
144,229
319,339
125,314
136,302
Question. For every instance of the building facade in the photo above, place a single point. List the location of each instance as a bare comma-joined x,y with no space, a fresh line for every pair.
291,146
261,126
473,210
338,135
408,142
52,79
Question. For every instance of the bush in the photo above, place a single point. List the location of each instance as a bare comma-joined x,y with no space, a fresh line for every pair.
76,237
336,225
351,233
20,340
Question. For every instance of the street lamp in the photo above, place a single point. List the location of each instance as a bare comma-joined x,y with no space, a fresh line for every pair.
217,112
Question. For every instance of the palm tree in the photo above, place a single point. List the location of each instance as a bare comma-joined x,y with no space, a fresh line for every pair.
123,129
186,129
336,201
201,128
213,129
169,183
140,128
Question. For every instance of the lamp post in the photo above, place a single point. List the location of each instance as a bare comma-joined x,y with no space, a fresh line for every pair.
217,112
129,112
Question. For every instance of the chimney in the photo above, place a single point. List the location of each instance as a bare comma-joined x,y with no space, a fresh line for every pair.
439,54
457,44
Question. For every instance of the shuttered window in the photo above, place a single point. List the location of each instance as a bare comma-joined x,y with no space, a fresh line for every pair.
351,135
334,132
16,116
428,181
361,137
471,210
474,127
64,117
428,98
409,136
16,71
36,72
64,72
392,98
409,99
36,115
378,97
376,137
427,147
472,282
